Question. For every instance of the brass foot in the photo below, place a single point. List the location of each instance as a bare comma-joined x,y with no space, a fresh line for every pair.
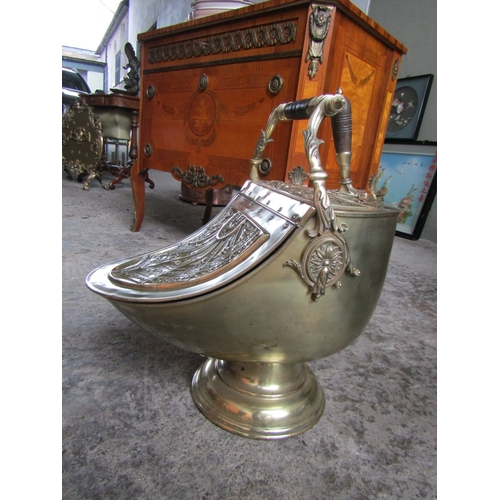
258,400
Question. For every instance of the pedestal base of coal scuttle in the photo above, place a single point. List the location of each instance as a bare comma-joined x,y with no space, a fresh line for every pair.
258,400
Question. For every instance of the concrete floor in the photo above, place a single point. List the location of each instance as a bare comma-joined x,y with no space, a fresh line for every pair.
132,431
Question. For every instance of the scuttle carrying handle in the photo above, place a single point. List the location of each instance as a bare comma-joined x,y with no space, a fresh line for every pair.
342,138
298,110
327,230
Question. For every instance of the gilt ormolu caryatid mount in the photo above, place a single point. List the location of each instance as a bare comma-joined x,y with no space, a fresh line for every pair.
285,274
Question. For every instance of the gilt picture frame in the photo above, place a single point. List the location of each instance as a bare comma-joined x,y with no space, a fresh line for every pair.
407,108
407,179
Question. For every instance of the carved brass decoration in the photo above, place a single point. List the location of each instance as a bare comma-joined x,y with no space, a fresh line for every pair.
395,69
233,41
323,262
335,196
298,176
275,84
217,247
203,82
327,256
196,177
327,227
325,216
319,24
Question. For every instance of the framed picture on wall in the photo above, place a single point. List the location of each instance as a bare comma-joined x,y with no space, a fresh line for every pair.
407,108
407,179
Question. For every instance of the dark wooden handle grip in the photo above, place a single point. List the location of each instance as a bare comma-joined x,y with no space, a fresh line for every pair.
342,129
298,110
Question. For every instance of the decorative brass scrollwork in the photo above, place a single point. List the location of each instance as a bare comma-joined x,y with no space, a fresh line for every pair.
232,41
298,176
196,177
327,256
395,69
323,262
319,24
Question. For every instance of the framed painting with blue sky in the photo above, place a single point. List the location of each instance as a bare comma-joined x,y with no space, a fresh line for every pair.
407,179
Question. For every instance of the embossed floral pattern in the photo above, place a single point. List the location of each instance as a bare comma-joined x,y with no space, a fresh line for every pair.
328,257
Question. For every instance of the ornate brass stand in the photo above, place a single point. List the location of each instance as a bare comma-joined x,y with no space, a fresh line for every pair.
81,143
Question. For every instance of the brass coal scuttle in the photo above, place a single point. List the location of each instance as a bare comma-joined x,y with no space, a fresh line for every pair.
285,274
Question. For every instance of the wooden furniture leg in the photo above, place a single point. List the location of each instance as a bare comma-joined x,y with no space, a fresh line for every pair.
138,191
209,203
138,177
134,125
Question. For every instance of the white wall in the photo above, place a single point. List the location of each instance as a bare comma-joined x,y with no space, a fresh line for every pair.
95,80
143,14
364,5
117,44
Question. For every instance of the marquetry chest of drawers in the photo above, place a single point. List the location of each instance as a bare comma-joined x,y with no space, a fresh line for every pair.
209,85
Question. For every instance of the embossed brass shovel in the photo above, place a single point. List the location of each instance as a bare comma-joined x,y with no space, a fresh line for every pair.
285,274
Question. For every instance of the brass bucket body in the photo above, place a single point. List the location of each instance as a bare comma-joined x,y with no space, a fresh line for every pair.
267,315
259,329
285,274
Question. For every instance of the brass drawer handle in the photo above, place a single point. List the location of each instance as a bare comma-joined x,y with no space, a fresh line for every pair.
203,82
266,166
275,84
150,91
148,149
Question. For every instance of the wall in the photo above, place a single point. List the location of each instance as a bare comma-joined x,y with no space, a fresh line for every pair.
364,5
116,44
415,25
144,14
95,80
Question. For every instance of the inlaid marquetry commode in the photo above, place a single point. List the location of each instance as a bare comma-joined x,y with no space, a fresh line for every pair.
209,85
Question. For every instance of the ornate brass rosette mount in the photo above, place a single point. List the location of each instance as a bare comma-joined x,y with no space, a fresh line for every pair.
324,261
